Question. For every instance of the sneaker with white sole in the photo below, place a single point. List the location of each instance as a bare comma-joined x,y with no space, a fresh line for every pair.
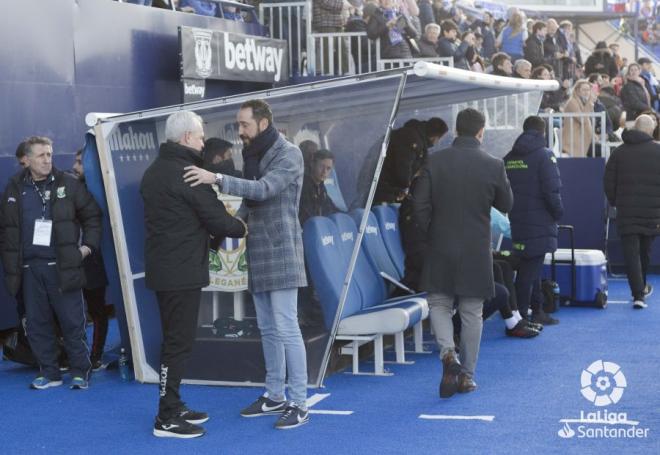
292,417
79,383
176,427
639,305
648,289
264,406
42,382
194,417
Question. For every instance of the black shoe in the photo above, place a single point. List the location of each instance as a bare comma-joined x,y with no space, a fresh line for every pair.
194,417
264,406
176,427
292,417
521,330
542,318
533,325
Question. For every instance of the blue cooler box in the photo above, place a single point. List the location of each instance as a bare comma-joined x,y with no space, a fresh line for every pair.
590,276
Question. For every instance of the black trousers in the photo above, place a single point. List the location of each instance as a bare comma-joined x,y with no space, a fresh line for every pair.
95,299
637,255
528,280
178,316
42,297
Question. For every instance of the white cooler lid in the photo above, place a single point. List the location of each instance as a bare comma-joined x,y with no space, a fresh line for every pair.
582,257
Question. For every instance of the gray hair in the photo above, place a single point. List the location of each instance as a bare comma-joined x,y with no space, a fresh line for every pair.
180,123
431,26
645,124
520,63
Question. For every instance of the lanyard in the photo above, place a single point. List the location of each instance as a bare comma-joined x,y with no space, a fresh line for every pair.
44,200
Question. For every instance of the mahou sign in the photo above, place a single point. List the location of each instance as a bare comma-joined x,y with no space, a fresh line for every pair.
212,54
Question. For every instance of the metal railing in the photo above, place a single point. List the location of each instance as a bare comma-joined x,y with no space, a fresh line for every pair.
501,112
393,63
290,21
577,134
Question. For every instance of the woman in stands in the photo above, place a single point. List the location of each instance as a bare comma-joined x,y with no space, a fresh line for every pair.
512,39
634,95
577,132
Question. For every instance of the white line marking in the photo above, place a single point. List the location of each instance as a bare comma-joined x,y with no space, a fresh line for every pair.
338,413
618,302
448,417
317,397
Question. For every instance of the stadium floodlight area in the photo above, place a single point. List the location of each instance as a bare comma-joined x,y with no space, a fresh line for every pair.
353,118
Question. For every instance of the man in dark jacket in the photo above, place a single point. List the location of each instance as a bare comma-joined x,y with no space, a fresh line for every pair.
601,61
178,221
448,46
534,46
429,42
502,65
631,177
451,203
42,214
314,199
534,176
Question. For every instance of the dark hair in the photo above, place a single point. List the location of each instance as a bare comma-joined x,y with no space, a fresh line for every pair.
323,154
538,25
536,72
36,140
20,150
499,58
469,122
448,25
436,127
593,77
534,123
260,110
213,147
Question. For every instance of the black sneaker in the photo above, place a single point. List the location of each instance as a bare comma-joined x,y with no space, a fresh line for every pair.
292,417
533,325
521,330
194,417
264,406
176,427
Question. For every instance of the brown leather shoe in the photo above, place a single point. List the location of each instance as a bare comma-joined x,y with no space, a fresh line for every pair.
450,369
466,384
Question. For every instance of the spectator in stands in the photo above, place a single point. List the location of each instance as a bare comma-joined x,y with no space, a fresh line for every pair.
42,246
426,15
231,13
614,49
200,7
568,60
512,37
537,208
327,15
393,29
217,157
178,221
271,194
551,101
429,42
608,97
440,11
357,23
522,69
487,31
650,82
502,65
314,199
552,49
93,292
472,57
634,95
21,155
407,152
577,132
596,80
448,46
410,10
601,61
631,177
452,200
534,46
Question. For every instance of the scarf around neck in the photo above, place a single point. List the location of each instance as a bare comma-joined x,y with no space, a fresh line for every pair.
255,151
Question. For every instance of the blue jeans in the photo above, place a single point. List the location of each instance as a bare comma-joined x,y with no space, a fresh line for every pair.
284,349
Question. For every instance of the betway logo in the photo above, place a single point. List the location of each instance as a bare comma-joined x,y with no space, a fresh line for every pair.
390,227
346,236
193,89
248,55
372,230
131,140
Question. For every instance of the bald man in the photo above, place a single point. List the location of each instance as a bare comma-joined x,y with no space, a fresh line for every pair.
631,177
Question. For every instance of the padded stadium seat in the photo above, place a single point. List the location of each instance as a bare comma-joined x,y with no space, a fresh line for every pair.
388,220
334,192
374,245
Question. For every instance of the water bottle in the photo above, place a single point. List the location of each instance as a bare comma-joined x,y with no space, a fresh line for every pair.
124,372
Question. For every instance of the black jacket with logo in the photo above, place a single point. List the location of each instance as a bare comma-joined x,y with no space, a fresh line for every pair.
73,209
178,220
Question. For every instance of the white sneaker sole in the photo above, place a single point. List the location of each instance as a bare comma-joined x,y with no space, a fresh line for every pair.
290,427
47,386
639,305
168,434
198,421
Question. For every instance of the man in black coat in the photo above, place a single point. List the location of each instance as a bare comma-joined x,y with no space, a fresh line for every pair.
178,221
49,223
534,176
534,46
451,202
631,185
449,46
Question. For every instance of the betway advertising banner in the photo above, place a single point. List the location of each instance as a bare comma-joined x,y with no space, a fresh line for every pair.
213,54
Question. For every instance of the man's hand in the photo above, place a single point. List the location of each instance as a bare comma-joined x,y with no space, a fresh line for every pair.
84,251
197,176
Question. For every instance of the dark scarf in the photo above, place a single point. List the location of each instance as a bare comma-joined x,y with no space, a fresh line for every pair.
255,151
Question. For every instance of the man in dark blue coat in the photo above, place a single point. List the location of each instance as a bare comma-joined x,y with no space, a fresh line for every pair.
532,171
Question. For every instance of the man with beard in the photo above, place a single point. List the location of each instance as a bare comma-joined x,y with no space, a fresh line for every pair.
273,171
178,221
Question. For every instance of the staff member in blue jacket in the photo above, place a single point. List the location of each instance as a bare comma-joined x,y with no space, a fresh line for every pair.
532,170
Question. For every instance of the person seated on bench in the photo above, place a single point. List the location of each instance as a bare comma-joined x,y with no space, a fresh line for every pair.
314,199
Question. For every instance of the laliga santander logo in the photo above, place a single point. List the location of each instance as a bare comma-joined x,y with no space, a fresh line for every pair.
603,383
